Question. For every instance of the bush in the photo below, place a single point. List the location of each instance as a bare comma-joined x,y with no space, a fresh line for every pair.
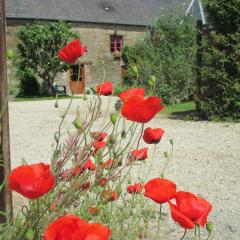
168,55
28,84
221,71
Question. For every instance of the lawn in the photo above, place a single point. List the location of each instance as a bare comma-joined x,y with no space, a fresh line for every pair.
180,108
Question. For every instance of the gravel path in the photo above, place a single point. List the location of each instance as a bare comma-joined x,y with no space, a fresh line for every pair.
206,157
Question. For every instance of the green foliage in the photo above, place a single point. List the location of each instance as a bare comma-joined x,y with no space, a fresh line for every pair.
221,71
39,46
28,84
167,55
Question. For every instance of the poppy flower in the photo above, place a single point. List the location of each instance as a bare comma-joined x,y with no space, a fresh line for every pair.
99,145
105,88
189,210
160,190
102,182
109,195
136,188
99,136
139,154
89,165
94,210
72,51
131,92
138,109
107,164
153,135
32,181
97,232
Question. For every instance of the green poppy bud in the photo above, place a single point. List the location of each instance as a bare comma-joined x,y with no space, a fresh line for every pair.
77,123
112,139
166,154
114,117
171,141
135,69
209,226
10,54
29,234
152,80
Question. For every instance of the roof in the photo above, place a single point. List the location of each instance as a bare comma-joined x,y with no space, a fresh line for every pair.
129,12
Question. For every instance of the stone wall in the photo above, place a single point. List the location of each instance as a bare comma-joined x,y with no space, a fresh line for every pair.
97,39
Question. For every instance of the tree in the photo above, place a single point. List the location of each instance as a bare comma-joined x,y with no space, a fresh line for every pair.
221,69
39,48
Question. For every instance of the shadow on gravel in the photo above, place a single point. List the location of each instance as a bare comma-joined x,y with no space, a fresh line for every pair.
186,116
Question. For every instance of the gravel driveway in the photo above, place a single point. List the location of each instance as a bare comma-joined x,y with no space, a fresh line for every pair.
206,157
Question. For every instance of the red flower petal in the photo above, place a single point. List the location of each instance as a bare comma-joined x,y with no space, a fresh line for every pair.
98,136
32,181
136,188
180,218
138,109
139,154
131,92
72,51
153,136
105,89
160,190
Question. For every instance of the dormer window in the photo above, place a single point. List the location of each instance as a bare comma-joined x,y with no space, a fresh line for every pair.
116,43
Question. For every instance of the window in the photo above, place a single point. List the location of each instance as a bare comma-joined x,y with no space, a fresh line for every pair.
116,43
75,71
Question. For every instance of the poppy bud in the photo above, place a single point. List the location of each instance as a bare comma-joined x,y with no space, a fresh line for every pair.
10,54
123,134
171,141
112,139
114,117
209,226
152,80
77,123
166,154
29,234
135,69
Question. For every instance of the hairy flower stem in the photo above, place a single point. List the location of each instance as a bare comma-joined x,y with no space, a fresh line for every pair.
168,158
159,221
140,135
184,234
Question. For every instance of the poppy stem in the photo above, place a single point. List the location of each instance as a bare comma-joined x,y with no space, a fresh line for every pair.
184,234
140,135
160,212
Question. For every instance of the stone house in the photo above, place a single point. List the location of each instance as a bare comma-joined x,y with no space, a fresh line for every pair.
105,26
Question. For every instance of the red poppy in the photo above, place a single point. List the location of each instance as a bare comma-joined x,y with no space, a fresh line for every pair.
72,51
190,210
136,188
99,136
94,210
153,135
99,145
131,92
67,227
89,165
85,186
139,154
160,190
107,164
97,232
109,195
32,181
102,182
105,88
138,109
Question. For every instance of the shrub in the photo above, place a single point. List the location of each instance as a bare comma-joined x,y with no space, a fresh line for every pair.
167,53
221,70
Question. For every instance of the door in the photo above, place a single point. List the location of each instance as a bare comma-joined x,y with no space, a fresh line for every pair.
77,79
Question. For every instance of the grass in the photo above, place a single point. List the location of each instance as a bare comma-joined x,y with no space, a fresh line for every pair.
179,108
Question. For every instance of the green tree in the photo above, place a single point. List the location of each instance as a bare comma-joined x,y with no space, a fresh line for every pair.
38,49
168,55
221,69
